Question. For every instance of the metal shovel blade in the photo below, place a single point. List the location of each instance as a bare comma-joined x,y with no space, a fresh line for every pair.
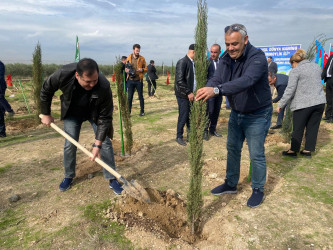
134,190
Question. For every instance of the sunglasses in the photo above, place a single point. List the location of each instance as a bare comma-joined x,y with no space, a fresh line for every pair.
235,27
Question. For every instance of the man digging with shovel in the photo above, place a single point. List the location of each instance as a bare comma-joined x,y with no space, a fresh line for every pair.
86,96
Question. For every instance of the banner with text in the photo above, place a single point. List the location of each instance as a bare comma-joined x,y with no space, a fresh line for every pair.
281,55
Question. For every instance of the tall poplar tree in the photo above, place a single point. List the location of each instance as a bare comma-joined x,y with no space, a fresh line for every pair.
123,102
37,77
198,121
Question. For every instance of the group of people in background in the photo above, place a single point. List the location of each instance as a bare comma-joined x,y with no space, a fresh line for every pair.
242,74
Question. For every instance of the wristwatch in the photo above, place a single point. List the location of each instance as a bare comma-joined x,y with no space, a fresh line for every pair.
216,91
97,146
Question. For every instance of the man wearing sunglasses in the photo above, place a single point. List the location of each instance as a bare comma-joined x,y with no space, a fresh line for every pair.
242,76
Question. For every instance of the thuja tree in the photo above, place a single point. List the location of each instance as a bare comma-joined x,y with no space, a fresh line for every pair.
123,103
37,77
172,70
198,121
287,124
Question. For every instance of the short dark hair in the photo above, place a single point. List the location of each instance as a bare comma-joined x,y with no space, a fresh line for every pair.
192,46
270,57
123,57
136,46
217,45
88,66
152,61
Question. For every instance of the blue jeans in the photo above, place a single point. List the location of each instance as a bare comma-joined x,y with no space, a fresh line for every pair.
253,127
72,126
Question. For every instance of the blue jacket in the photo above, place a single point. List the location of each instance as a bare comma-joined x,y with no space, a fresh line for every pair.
244,80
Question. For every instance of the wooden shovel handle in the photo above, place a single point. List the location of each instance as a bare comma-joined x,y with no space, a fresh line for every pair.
78,145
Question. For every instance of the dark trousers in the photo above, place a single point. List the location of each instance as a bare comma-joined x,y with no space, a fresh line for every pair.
151,91
184,108
309,119
329,98
138,85
2,121
4,103
213,112
227,104
280,117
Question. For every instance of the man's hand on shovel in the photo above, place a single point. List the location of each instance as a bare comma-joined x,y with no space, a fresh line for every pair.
96,150
47,120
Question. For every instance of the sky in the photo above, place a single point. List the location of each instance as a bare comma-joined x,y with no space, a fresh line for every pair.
108,29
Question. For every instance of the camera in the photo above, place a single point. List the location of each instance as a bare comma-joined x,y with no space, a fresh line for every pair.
132,72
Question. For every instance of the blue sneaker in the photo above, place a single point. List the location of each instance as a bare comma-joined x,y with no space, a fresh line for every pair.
65,184
116,186
224,189
256,198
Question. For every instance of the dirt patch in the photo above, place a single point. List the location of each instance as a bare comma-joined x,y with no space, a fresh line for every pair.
23,125
165,216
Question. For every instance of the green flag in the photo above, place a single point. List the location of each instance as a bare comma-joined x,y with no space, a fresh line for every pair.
77,52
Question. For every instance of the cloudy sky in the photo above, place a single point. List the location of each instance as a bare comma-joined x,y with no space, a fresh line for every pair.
164,29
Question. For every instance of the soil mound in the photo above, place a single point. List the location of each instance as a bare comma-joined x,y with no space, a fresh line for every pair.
165,216
22,125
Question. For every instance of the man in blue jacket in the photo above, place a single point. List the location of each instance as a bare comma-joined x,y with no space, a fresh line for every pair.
242,76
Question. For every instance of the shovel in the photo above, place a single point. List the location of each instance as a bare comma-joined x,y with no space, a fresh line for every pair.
151,83
132,188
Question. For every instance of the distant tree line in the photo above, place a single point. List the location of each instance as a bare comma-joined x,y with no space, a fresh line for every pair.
25,70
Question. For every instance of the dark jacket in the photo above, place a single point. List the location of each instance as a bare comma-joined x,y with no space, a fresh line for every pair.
280,85
246,86
101,104
324,73
151,73
211,69
273,67
184,77
3,84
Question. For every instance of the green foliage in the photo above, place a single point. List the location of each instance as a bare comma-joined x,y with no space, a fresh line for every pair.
172,71
37,78
21,70
107,70
123,102
103,229
198,121
5,168
311,51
